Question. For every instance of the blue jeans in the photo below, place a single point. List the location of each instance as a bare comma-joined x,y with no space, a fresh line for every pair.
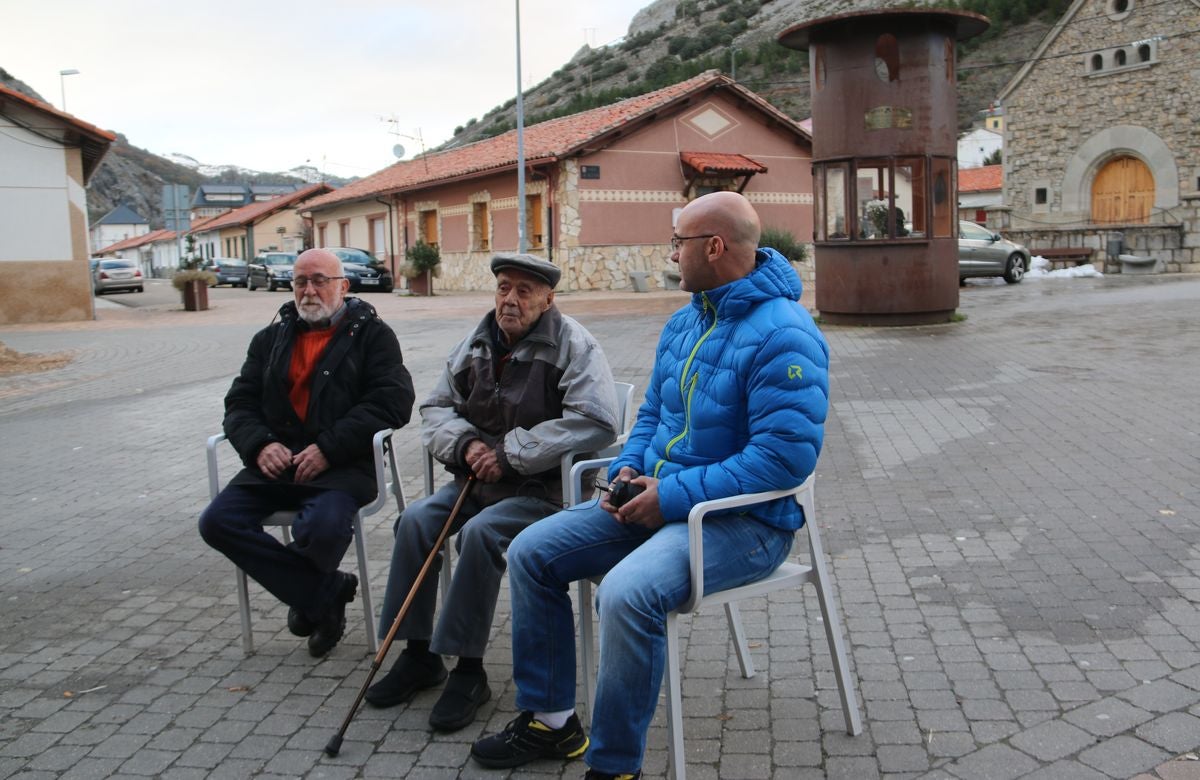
483,534
646,577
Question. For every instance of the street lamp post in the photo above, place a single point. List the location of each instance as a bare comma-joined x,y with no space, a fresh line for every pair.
520,143
62,84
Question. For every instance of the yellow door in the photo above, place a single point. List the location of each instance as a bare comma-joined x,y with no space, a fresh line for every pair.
1123,191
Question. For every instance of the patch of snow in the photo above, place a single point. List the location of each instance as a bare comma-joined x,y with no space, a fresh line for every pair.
1040,269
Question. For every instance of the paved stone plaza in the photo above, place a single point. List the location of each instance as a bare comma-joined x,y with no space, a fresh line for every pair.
1010,506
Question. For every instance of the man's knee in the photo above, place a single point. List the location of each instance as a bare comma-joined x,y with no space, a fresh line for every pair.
214,525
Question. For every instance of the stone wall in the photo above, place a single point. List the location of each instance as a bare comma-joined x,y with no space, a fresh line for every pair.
1060,104
1175,245
585,268
1079,105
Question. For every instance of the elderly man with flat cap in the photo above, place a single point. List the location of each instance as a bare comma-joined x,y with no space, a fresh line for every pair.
528,385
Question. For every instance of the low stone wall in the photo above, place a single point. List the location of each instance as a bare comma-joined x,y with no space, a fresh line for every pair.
584,268
1175,244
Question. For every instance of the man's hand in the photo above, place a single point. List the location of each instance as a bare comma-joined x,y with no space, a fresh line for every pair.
627,474
641,509
274,459
310,462
484,462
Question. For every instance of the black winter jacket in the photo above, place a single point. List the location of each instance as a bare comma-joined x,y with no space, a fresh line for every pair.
359,385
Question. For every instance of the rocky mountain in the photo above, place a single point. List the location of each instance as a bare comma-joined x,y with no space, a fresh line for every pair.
671,40
133,176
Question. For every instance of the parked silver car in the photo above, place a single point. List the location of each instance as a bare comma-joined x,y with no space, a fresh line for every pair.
984,253
117,274
271,270
228,270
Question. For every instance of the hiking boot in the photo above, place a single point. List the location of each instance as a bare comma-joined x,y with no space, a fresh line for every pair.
592,774
525,739
412,672
298,624
465,693
332,625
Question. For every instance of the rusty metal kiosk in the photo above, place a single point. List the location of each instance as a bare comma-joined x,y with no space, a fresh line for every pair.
884,103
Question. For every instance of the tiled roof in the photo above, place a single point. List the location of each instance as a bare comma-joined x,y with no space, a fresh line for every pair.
982,179
717,162
133,242
251,213
544,142
93,141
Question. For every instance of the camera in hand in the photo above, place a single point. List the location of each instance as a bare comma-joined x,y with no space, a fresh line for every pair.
622,491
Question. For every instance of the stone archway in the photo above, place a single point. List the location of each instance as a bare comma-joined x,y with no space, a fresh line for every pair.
1122,191
1120,140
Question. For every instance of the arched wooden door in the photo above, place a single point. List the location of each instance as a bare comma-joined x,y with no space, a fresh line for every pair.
1123,191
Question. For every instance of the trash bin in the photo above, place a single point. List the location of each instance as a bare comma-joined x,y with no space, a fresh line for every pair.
1116,245
638,278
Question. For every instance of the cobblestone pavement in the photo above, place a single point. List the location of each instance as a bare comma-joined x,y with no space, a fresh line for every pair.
1010,505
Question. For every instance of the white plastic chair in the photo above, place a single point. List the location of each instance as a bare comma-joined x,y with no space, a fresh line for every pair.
625,416
385,462
788,575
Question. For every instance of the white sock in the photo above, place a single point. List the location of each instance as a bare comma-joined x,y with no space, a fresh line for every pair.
554,720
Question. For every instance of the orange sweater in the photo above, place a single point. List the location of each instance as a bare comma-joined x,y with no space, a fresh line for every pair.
305,352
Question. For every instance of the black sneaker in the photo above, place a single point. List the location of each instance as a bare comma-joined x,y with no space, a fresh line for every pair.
592,774
298,624
332,625
525,739
412,672
465,693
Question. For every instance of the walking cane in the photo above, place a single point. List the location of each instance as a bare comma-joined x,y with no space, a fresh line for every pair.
335,742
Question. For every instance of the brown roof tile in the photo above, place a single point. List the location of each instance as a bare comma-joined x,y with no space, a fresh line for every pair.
717,162
987,177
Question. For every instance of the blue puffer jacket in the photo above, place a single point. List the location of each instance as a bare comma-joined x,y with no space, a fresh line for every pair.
737,399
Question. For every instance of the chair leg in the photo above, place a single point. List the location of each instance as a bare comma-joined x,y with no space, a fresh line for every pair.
734,616
675,754
837,650
364,582
243,594
587,648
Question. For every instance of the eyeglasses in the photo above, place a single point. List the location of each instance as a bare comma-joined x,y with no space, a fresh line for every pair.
319,281
677,241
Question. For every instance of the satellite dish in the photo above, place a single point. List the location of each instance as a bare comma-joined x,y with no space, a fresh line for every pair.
398,151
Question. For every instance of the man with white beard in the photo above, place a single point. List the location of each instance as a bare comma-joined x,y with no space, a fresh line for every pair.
316,385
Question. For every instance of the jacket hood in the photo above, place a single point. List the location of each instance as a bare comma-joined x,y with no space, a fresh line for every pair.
772,277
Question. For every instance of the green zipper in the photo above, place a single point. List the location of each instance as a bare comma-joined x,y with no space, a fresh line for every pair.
687,387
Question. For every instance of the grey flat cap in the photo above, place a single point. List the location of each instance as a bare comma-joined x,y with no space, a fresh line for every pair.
535,266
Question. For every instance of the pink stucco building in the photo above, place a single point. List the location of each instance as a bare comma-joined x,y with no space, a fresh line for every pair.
602,187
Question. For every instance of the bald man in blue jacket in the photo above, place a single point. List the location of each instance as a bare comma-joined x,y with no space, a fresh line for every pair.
736,404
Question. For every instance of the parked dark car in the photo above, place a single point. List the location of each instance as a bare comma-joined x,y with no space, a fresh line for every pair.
117,274
363,271
271,270
228,270
984,253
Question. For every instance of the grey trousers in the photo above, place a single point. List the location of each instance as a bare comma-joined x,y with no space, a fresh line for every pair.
483,537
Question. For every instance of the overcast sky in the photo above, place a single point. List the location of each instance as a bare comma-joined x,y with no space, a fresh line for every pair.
270,85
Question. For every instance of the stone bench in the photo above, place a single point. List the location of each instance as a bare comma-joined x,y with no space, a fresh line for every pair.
1065,255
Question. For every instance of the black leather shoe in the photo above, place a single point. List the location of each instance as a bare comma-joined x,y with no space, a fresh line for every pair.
332,625
465,693
412,672
298,624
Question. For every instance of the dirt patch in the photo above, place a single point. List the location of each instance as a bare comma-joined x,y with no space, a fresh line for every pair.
13,362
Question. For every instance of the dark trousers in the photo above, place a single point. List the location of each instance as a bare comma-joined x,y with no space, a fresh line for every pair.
302,574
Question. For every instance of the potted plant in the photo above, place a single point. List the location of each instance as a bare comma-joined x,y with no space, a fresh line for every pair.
193,282
423,263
